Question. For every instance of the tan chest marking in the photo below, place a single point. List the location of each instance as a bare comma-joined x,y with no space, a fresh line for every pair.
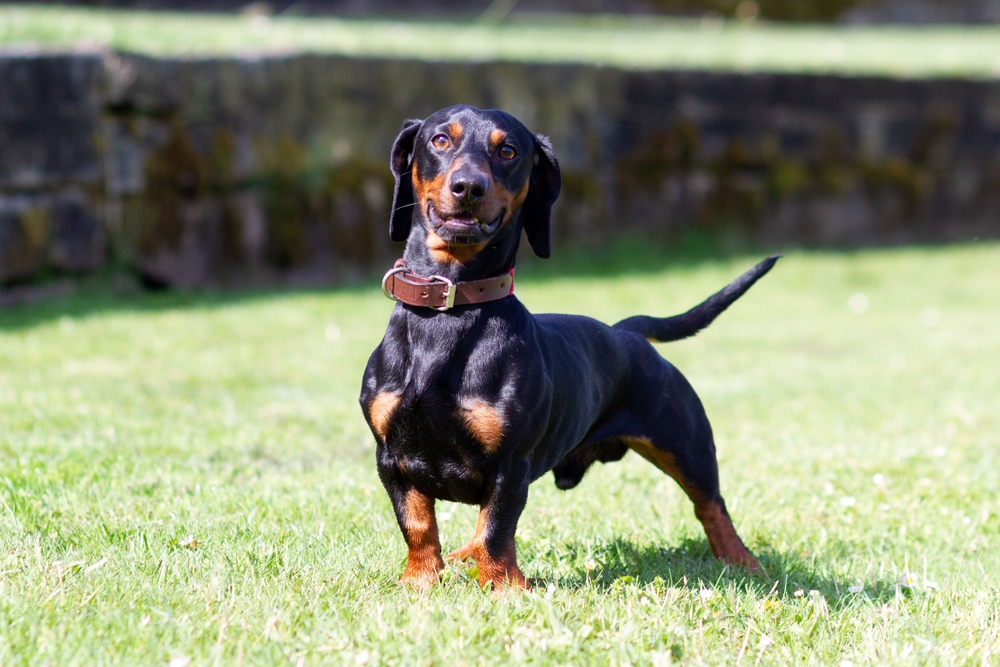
381,409
484,422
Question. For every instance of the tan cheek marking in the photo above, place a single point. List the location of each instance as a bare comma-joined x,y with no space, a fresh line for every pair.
381,409
500,197
485,423
516,201
427,190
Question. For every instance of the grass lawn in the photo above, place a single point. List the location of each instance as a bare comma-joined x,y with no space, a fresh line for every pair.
189,476
644,43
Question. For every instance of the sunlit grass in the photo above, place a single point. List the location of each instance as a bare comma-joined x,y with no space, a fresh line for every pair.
190,476
643,43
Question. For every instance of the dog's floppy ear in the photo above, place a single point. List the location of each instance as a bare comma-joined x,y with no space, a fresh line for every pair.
402,197
542,193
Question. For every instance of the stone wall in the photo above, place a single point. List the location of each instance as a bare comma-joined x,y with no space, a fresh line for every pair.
51,176
851,11
274,170
813,10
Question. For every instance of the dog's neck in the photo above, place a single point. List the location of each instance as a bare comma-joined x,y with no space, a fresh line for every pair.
496,258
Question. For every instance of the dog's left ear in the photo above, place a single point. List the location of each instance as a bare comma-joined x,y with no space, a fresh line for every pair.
402,197
542,193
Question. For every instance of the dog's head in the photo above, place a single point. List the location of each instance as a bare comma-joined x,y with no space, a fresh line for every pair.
467,178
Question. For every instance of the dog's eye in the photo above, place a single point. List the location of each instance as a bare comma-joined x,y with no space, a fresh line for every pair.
507,152
441,141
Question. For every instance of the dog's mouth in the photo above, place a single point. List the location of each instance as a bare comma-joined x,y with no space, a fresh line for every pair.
462,228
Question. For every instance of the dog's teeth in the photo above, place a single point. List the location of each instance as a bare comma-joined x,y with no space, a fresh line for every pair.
475,221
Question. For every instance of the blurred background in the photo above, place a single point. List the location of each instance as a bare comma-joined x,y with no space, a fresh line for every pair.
197,144
846,11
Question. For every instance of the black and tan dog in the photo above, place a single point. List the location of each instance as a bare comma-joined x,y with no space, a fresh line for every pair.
471,398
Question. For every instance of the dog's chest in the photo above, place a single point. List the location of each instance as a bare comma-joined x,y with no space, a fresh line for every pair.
444,446
445,396
441,426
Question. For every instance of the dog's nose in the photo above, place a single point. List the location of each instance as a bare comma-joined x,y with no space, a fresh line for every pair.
468,185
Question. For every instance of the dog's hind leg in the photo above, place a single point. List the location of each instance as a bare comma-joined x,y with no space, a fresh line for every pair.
666,424
722,537
702,487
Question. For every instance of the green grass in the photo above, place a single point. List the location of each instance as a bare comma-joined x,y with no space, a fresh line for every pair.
190,476
646,43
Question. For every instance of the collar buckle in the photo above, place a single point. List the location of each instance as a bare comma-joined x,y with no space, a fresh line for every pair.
449,295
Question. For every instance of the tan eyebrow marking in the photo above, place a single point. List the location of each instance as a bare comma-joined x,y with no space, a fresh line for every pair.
496,138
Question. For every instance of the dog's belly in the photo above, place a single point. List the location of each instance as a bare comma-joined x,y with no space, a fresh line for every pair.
444,477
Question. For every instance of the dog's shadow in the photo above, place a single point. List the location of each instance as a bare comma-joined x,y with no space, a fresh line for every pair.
691,564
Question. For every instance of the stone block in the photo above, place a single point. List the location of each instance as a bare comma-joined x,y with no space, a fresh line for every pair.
49,232
184,252
24,232
78,240
50,107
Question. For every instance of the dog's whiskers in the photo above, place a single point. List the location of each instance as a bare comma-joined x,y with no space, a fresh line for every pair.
398,208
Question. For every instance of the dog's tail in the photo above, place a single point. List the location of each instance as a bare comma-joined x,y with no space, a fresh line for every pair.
666,329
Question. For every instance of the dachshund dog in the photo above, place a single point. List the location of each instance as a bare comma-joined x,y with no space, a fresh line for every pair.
471,398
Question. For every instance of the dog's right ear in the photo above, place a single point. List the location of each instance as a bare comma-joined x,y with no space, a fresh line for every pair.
402,197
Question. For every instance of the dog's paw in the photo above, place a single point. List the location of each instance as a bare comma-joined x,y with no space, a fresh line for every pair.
511,580
419,581
423,573
463,553
753,567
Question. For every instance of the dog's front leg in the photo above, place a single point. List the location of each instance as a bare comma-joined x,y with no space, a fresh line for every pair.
492,547
415,514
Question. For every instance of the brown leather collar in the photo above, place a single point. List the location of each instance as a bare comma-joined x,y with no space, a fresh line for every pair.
440,293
